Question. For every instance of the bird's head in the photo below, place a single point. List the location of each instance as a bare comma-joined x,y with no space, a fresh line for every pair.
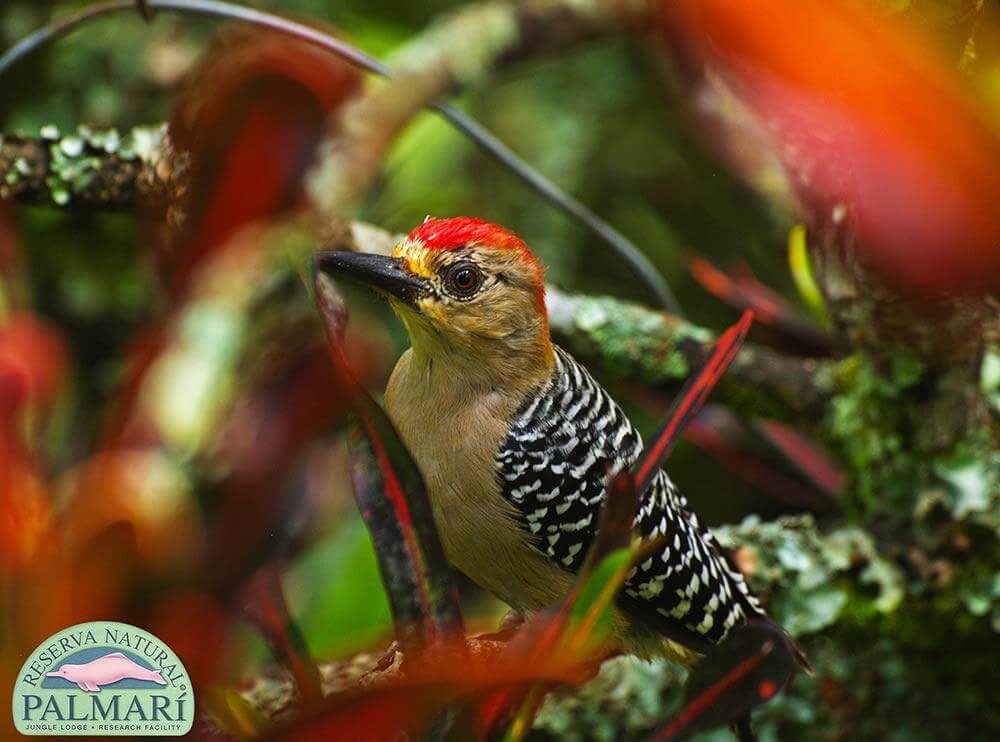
463,287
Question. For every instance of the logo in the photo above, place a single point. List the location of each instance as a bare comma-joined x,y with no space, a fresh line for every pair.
103,678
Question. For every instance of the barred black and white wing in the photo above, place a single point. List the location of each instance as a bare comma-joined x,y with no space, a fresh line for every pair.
562,448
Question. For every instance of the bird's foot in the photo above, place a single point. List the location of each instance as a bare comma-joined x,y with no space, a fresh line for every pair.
744,732
388,659
510,624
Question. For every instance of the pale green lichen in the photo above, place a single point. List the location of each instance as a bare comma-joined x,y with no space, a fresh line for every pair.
628,698
871,423
106,140
72,168
71,146
76,159
635,341
146,143
866,421
807,570
990,378
972,479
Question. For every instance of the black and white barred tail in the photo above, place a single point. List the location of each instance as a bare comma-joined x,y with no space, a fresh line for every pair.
565,443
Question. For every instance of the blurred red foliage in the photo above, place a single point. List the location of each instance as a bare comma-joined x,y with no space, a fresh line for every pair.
252,116
741,289
134,529
873,127
33,360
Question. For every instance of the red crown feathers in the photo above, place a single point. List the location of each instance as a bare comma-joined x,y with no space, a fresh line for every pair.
450,234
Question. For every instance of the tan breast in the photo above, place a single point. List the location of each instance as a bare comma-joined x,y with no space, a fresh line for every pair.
454,432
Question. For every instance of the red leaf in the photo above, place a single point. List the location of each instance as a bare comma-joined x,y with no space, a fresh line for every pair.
748,451
392,497
266,609
805,455
743,291
419,699
689,401
262,444
740,673
33,360
196,626
252,117
876,131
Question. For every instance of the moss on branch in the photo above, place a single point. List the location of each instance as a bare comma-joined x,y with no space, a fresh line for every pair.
638,343
89,168
106,170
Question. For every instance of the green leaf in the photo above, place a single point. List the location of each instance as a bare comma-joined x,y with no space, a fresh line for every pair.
801,268
337,594
234,714
591,617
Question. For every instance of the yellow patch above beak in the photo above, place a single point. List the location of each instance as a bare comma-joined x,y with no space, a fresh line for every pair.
418,259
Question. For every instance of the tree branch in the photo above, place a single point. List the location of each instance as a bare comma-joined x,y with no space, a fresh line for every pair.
96,169
468,43
810,595
638,343
104,170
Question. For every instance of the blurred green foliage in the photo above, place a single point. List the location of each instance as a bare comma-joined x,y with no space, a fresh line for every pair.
351,612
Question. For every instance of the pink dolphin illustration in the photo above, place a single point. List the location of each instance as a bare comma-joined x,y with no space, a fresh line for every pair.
105,670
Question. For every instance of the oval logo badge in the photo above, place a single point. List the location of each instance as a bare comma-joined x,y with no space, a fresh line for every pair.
103,678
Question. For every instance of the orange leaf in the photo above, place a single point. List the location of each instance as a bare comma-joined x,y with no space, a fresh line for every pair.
875,130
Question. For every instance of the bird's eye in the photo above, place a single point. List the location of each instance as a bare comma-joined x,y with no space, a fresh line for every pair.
463,279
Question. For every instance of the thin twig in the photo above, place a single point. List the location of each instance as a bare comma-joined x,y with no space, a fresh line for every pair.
617,242
145,11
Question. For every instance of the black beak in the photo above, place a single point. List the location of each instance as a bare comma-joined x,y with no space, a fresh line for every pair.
379,272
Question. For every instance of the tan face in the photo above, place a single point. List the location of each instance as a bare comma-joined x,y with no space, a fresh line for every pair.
474,297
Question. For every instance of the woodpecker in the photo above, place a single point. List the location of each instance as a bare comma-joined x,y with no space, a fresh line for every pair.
517,441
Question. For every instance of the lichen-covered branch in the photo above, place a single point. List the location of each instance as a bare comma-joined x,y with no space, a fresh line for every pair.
638,343
95,169
106,170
